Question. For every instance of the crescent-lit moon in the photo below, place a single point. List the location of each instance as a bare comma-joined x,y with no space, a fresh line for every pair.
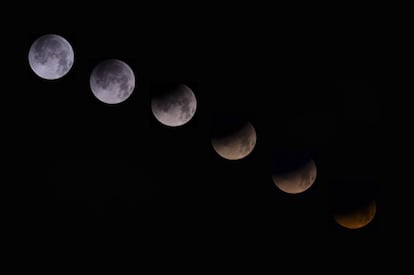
297,181
51,56
236,145
174,107
357,218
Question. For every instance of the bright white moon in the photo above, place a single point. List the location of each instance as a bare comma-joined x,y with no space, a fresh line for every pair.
112,81
51,56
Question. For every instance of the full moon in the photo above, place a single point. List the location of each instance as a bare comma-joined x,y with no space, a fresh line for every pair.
357,218
298,180
237,144
175,106
51,56
112,81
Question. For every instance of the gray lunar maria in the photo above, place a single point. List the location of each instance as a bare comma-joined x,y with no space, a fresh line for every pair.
51,56
112,81
176,107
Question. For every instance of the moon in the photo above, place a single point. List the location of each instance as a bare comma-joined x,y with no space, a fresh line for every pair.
51,56
174,107
236,145
297,181
112,81
357,218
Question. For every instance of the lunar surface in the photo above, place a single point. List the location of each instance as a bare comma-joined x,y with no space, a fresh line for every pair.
112,81
298,180
51,57
236,145
357,218
174,107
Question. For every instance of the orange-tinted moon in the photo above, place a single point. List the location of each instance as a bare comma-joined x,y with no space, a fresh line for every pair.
297,181
236,145
357,218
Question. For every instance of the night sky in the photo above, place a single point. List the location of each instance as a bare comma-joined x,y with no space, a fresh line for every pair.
303,89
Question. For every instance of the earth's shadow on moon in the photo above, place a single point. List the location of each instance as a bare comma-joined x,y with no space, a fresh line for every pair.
163,89
351,194
284,162
225,125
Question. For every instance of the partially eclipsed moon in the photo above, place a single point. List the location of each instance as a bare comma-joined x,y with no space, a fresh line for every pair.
175,107
357,218
112,81
236,145
51,56
297,181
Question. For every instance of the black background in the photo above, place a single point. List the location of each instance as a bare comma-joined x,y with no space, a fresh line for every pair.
301,83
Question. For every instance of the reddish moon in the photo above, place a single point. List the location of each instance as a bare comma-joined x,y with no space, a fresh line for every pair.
236,145
297,181
357,218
